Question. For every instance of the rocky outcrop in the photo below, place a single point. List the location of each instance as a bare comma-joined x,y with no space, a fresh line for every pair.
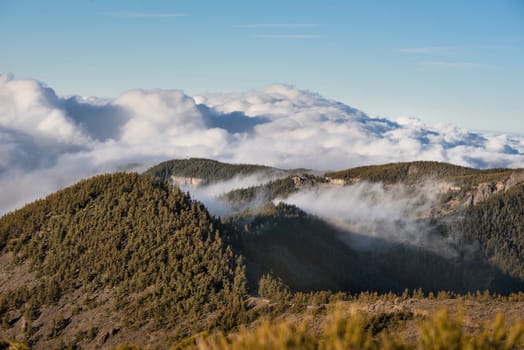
337,182
303,181
413,170
484,191
182,181
516,178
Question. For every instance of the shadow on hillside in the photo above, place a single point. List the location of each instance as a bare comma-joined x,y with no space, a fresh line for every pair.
309,255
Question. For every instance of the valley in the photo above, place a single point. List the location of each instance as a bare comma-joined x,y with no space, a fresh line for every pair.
193,247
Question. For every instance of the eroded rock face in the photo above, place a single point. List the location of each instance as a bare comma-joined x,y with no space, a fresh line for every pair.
340,182
515,178
484,191
182,181
412,170
302,181
457,197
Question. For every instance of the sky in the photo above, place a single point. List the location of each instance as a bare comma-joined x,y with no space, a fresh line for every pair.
457,62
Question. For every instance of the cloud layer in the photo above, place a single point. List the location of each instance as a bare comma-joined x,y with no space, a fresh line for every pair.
48,141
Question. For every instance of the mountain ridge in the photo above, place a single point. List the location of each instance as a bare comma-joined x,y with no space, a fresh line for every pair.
122,244
126,244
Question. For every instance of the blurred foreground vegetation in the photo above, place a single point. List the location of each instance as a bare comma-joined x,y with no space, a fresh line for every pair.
348,328
343,329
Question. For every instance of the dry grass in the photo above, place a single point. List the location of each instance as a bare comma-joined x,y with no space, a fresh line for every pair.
350,329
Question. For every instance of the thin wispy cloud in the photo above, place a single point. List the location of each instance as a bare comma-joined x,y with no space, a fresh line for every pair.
442,49
455,65
423,50
288,36
132,15
277,25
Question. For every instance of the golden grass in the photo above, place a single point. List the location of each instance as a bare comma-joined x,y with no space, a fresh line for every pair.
343,329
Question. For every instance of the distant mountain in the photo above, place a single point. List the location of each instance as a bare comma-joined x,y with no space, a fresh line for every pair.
411,172
288,245
207,170
460,186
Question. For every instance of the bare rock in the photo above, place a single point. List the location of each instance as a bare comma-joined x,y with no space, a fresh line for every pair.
484,191
412,170
515,178
303,181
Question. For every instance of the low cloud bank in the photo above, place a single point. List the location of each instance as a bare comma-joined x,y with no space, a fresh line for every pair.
370,213
212,194
48,141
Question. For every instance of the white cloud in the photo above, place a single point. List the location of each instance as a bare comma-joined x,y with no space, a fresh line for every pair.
455,65
158,112
210,194
27,106
48,141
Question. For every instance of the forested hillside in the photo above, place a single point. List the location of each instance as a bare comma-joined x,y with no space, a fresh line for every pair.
309,254
415,171
497,225
210,170
123,245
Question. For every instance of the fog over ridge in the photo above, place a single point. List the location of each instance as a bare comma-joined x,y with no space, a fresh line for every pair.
48,141
370,211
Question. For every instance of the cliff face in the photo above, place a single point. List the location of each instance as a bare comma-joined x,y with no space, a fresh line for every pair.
336,182
458,187
486,189
455,197
182,181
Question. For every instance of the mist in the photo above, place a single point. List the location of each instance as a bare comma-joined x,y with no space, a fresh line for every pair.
211,195
372,212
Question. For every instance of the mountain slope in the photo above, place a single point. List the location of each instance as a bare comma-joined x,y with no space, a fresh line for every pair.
303,250
111,257
410,172
498,226
310,254
207,169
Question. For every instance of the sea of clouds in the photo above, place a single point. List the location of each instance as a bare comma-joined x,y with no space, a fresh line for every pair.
49,141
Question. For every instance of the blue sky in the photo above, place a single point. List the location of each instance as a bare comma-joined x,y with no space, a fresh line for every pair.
455,61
